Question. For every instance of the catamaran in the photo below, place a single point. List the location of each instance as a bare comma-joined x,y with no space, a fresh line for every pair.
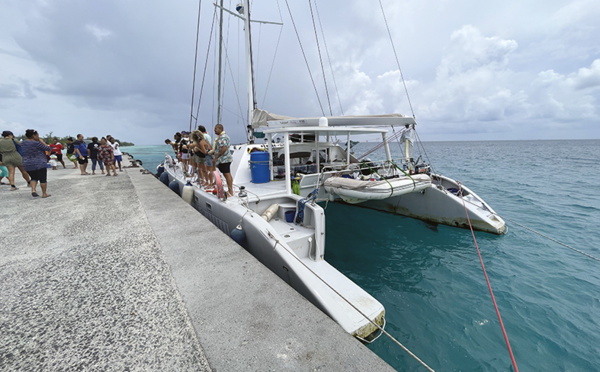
275,212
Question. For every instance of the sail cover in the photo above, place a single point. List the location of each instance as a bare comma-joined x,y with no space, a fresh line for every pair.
261,119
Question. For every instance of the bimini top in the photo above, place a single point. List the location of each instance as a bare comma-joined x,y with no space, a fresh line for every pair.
264,119
325,131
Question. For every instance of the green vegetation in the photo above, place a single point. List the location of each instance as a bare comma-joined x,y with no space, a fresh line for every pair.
49,137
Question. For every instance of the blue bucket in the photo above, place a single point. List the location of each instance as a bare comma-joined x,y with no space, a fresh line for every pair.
259,167
289,215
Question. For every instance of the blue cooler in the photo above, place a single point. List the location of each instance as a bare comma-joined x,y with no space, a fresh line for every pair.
259,167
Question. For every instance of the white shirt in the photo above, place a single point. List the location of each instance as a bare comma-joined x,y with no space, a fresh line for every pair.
115,147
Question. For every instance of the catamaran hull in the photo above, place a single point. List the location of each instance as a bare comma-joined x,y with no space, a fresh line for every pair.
437,204
301,273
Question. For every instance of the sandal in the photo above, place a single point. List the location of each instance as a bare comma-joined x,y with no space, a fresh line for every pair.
13,188
34,194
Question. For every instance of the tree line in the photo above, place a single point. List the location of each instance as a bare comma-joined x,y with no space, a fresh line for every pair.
49,137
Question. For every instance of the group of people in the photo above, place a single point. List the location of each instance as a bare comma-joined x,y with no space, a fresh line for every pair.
31,157
103,154
205,156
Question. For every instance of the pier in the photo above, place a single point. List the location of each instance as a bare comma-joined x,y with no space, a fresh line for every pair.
119,273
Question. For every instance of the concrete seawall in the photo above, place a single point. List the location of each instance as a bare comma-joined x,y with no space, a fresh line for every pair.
119,273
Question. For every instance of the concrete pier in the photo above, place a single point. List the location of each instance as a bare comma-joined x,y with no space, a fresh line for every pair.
119,273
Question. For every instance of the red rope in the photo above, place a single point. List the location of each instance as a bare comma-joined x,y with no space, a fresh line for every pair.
512,357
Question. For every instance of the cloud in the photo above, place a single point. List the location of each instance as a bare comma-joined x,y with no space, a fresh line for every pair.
586,77
22,89
470,51
497,70
98,32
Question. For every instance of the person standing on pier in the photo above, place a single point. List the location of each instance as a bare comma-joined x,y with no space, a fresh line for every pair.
71,152
93,148
12,158
116,152
34,161
223,156
105,155
56,149
81,153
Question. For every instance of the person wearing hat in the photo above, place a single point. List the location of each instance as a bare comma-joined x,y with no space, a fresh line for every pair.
11,158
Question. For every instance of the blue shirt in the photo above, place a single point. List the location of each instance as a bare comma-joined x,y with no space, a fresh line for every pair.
34,155
82,147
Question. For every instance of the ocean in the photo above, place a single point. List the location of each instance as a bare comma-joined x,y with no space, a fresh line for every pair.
430,280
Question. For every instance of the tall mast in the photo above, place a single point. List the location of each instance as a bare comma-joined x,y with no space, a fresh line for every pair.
220,64
249,71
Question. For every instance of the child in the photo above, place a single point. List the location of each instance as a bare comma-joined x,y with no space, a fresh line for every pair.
53,161
3,171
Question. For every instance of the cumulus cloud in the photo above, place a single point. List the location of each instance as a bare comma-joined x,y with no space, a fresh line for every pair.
498,68
586,77
469,51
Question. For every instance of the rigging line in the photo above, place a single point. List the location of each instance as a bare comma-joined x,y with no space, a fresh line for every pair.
272,65
420,144
347,301
305,60
396,55
320,57
274,54
510,352
381,144
195,64
206,66
329,59
235,89
552,239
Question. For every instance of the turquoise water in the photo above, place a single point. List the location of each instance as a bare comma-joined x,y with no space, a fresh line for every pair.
430,280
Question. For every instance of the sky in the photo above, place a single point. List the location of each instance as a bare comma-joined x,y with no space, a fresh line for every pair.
495,70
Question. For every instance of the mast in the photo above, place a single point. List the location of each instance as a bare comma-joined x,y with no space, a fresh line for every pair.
220,64
249,71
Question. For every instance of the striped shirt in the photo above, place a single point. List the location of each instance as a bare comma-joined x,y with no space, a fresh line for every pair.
34,155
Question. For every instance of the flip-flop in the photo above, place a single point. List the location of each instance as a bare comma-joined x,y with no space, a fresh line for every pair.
34,194
47,196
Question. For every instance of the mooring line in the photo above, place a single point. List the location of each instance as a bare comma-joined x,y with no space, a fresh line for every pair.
552,239
510,352
349,302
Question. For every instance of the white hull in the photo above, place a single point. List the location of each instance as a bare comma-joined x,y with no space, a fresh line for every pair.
432,202
293,252
440,206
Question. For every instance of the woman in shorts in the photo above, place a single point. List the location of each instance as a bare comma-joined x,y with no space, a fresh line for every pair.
11,158
34,161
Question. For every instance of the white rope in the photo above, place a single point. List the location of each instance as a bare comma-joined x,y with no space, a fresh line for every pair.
552,239
350,303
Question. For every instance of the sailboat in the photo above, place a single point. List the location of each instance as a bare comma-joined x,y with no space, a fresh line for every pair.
275,212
